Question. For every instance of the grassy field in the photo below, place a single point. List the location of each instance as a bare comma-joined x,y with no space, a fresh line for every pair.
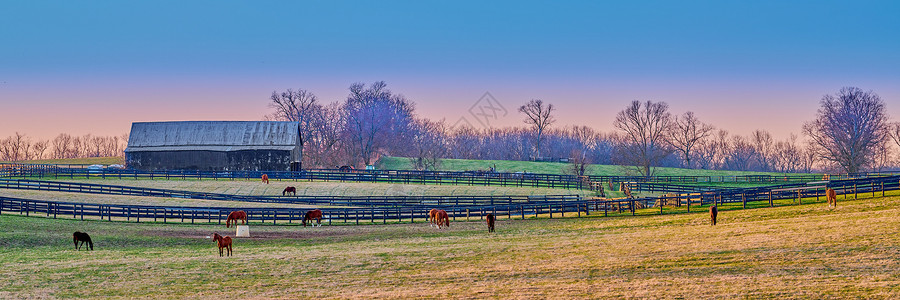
77,161
318,188
806,251
402,163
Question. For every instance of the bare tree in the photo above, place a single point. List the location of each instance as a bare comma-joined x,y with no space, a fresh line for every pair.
377,121
429,145
17,147
763,146
848,128
579,163
539,116
297,106
687,131
40,147
645,126
895,132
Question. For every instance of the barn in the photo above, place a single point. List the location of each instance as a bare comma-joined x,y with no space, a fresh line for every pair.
214,146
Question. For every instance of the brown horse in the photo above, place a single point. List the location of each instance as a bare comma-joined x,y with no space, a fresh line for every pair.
432,217
832,197
234,217
490,222
265,179
442,219
313,214
83,238
289,189
224,242
713,213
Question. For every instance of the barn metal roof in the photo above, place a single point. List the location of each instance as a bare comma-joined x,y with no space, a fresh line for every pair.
213,136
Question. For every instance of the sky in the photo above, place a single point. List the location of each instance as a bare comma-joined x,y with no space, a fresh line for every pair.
83,67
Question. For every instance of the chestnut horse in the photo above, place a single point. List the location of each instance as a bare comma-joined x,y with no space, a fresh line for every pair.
313,214
713,213
265,179
832,197
234,217
83,238
490,222
442,219
224,242
289,189
432,217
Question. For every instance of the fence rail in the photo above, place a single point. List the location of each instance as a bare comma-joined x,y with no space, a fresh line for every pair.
60,186
409,176
403,211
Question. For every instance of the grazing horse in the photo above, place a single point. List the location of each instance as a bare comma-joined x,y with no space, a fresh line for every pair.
713,213
490,222
82,237
832,197
432,217
313,214
235,216
289,189
265,178
442,219
224,242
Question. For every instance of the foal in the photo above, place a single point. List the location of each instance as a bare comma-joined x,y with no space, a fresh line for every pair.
223,243
490,222
82,237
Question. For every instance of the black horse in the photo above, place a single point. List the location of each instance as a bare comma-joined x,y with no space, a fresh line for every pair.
82,237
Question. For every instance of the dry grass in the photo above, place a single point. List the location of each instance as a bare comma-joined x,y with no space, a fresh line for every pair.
806,251
134,200
318,188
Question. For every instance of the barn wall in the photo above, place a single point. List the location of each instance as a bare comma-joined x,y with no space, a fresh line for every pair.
247,160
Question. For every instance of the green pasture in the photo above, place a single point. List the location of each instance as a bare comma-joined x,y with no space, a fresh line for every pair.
789,251
402,163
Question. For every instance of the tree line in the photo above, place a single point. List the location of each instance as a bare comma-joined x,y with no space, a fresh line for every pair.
851,133
19,147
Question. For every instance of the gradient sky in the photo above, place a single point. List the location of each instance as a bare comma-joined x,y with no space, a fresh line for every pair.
96,66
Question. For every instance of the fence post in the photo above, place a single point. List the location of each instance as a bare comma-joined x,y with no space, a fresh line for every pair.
744,199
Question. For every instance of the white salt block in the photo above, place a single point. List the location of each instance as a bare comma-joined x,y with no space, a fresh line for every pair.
242,231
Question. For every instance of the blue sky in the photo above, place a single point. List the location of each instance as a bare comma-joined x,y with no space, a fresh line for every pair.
175,60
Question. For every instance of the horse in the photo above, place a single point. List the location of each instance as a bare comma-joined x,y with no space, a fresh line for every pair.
490,222
313,214
235,216
224,242
432,217
832,197
82,237
289,189
265,178
713,213
442,219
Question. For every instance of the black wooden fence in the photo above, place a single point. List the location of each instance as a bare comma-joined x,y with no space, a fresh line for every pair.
403,212
408,176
